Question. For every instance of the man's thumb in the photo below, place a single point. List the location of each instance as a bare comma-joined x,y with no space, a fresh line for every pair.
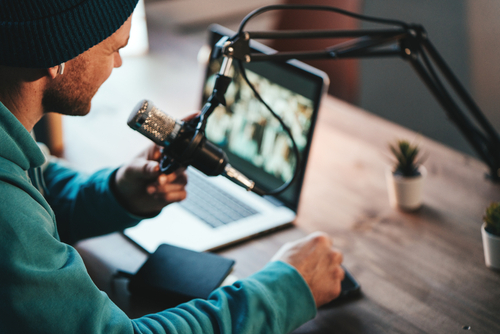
144,169
151,168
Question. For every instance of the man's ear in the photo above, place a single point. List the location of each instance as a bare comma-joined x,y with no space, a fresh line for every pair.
53,71
56,70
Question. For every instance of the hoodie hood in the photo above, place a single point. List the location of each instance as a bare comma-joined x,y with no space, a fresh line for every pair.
16,143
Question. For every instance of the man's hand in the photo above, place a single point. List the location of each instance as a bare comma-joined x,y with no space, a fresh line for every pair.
318,263
143,189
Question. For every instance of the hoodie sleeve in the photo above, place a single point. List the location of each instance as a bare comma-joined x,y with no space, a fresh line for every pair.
84,205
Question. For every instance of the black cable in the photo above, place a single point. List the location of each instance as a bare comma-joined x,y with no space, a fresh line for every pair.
285,186
259,11
320,8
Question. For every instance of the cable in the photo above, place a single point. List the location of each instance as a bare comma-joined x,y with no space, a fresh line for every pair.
242,69
320,8
285,186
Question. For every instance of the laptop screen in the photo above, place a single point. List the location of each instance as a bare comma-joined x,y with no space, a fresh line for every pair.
252,138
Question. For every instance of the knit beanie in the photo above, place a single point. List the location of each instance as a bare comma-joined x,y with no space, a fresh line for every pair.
46,33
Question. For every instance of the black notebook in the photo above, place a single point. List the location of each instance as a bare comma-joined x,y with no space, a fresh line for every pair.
178,275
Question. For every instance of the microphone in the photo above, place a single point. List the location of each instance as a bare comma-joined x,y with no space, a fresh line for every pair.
184,144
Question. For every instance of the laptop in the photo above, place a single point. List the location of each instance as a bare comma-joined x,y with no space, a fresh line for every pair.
218,212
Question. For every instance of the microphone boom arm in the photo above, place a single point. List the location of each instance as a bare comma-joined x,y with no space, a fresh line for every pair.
411,43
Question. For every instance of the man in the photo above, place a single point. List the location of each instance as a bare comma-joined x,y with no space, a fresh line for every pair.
54,55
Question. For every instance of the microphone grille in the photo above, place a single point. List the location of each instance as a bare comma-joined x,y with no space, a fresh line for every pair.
151,122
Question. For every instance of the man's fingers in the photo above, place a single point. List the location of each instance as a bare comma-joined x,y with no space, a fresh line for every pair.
155,153
171,183
177,176
140,170
339,273
191,116
152,152
175,196
172,179
320,238
162,199
336,257
162,180
164,189
151,168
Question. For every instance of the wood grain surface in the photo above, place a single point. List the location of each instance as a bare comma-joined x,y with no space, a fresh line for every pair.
420,272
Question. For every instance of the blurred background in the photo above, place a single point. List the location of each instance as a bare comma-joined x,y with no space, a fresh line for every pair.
162,64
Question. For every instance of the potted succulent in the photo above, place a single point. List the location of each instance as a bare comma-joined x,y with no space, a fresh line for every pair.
491,236
405,178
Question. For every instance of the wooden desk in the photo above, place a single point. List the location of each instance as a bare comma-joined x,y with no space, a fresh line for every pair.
420,272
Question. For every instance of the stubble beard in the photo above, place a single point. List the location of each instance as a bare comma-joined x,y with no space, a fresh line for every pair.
72,93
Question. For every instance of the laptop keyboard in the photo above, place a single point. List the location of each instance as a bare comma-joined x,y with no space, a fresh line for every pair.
211,204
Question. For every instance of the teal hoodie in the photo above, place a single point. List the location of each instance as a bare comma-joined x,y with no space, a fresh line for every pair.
45,288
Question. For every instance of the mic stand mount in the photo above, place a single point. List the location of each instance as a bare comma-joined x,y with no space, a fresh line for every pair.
194,133
409,42
195,129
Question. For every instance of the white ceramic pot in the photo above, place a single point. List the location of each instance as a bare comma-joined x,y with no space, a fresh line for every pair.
405,193
491,246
